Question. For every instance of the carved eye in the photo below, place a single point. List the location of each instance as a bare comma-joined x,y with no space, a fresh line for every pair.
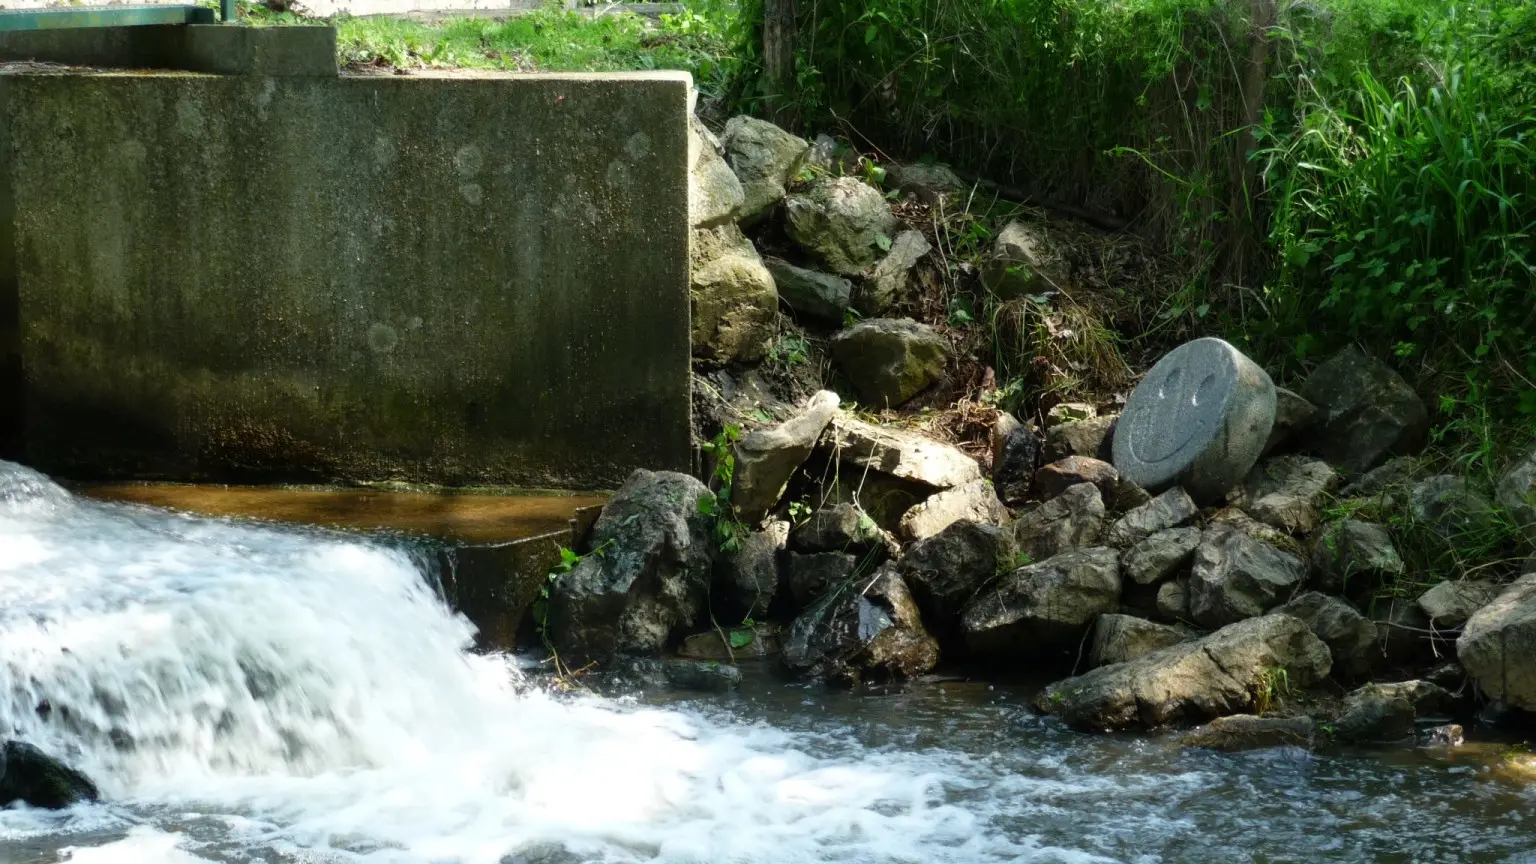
1170,386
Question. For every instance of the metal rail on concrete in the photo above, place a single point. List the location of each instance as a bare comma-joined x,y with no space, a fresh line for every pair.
73,17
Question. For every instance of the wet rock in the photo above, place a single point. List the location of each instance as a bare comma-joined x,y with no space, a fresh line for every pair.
1168,510
850,636
652,577
1122,638
1380,713
1398,473
706,676
1193,681
1160,556
1236,576
545,853
889,360
1071,520
945,570
843,223
1516,493
747,578
1288,492
1354,558
29,775
887,280
1173,600
1293,415
1069,412
738,644
732,296
1453,509
765,458
1043,606
1057,477
1021,263
1449,735
715,196
763,157
1241,732
1015,450
812,293
975,501
1093,437
897,453
839,528
1351,639
1365,412
811,575
1449,605
1498,645
928,182
1200,418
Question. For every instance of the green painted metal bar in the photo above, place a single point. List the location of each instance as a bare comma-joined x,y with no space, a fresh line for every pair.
227,11
107,16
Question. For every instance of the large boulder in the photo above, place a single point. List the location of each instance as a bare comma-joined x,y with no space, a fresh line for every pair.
945,571
1072,520
887,280
31,776
1449,605
1044,606
1168,510
766,458
1516,493
1383,713
906,456
1350,637
1092,437
715,196
889,360
1498,645
1190,682
1161,555
763,156
1122,638
1288,492
1022,263
842,222
812,574
747,577
1053,479
865,630
1015,450
975,502
652,574
1200,418
732,296
1365,412
1236,576
1241,732
1354,558
812,293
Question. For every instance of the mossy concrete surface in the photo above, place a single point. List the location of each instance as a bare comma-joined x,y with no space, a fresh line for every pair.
434,279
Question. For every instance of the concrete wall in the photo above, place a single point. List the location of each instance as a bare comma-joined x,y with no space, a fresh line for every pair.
438,279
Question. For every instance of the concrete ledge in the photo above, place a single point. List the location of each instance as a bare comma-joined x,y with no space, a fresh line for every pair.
308,51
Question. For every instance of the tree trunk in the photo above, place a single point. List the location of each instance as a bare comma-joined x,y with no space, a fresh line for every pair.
1245,175
779,57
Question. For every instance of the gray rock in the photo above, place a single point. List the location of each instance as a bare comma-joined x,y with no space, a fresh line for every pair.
1350,638
824,155
1516,493
1236,576
1449,735
1354,558
1200,418
747,578
887,280
945,570
1161,555
927,181
758,642
706,676
1055,478
1241,732
1403,637
813,293
1448,506
1092,437
843,223
1168,510
766,458
1173,600
544,853
1498,645
1015,450
1192,681
1022,263
897,453
1128,496
1238,520
1381,713
1044,606
975,501
849,636
1069,412
763,156
29,775
715,196
1071,520
1293,415
1287,492
813,574
889,360
1449,605
1393,474
1122,638
732,296
839,528
1366,412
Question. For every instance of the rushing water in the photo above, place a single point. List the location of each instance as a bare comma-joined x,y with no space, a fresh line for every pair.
250,693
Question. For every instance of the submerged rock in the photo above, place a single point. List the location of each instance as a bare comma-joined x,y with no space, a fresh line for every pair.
1382,713
1365,412
1071,520
732,645
1241,732
1498,645
975,501
852,636
732,296
1236,576
1043,606
889,360
706,676
846,224
766,458
29,775
763,156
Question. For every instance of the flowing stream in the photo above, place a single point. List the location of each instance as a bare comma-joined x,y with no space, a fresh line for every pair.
244,693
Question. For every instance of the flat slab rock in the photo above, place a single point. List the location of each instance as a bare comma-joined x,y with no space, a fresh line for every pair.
975,502
898,453
1200,418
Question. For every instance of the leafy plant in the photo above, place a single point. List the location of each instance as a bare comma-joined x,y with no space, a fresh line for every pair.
1273,685
729,531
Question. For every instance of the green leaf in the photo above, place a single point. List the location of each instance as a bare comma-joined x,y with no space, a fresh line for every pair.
883,242
568,556
741,638
708,505
870,33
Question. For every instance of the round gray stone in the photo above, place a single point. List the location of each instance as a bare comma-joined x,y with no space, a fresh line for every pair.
1200,418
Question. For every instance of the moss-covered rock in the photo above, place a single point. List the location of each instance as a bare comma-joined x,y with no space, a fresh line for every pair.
844,223
732,294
